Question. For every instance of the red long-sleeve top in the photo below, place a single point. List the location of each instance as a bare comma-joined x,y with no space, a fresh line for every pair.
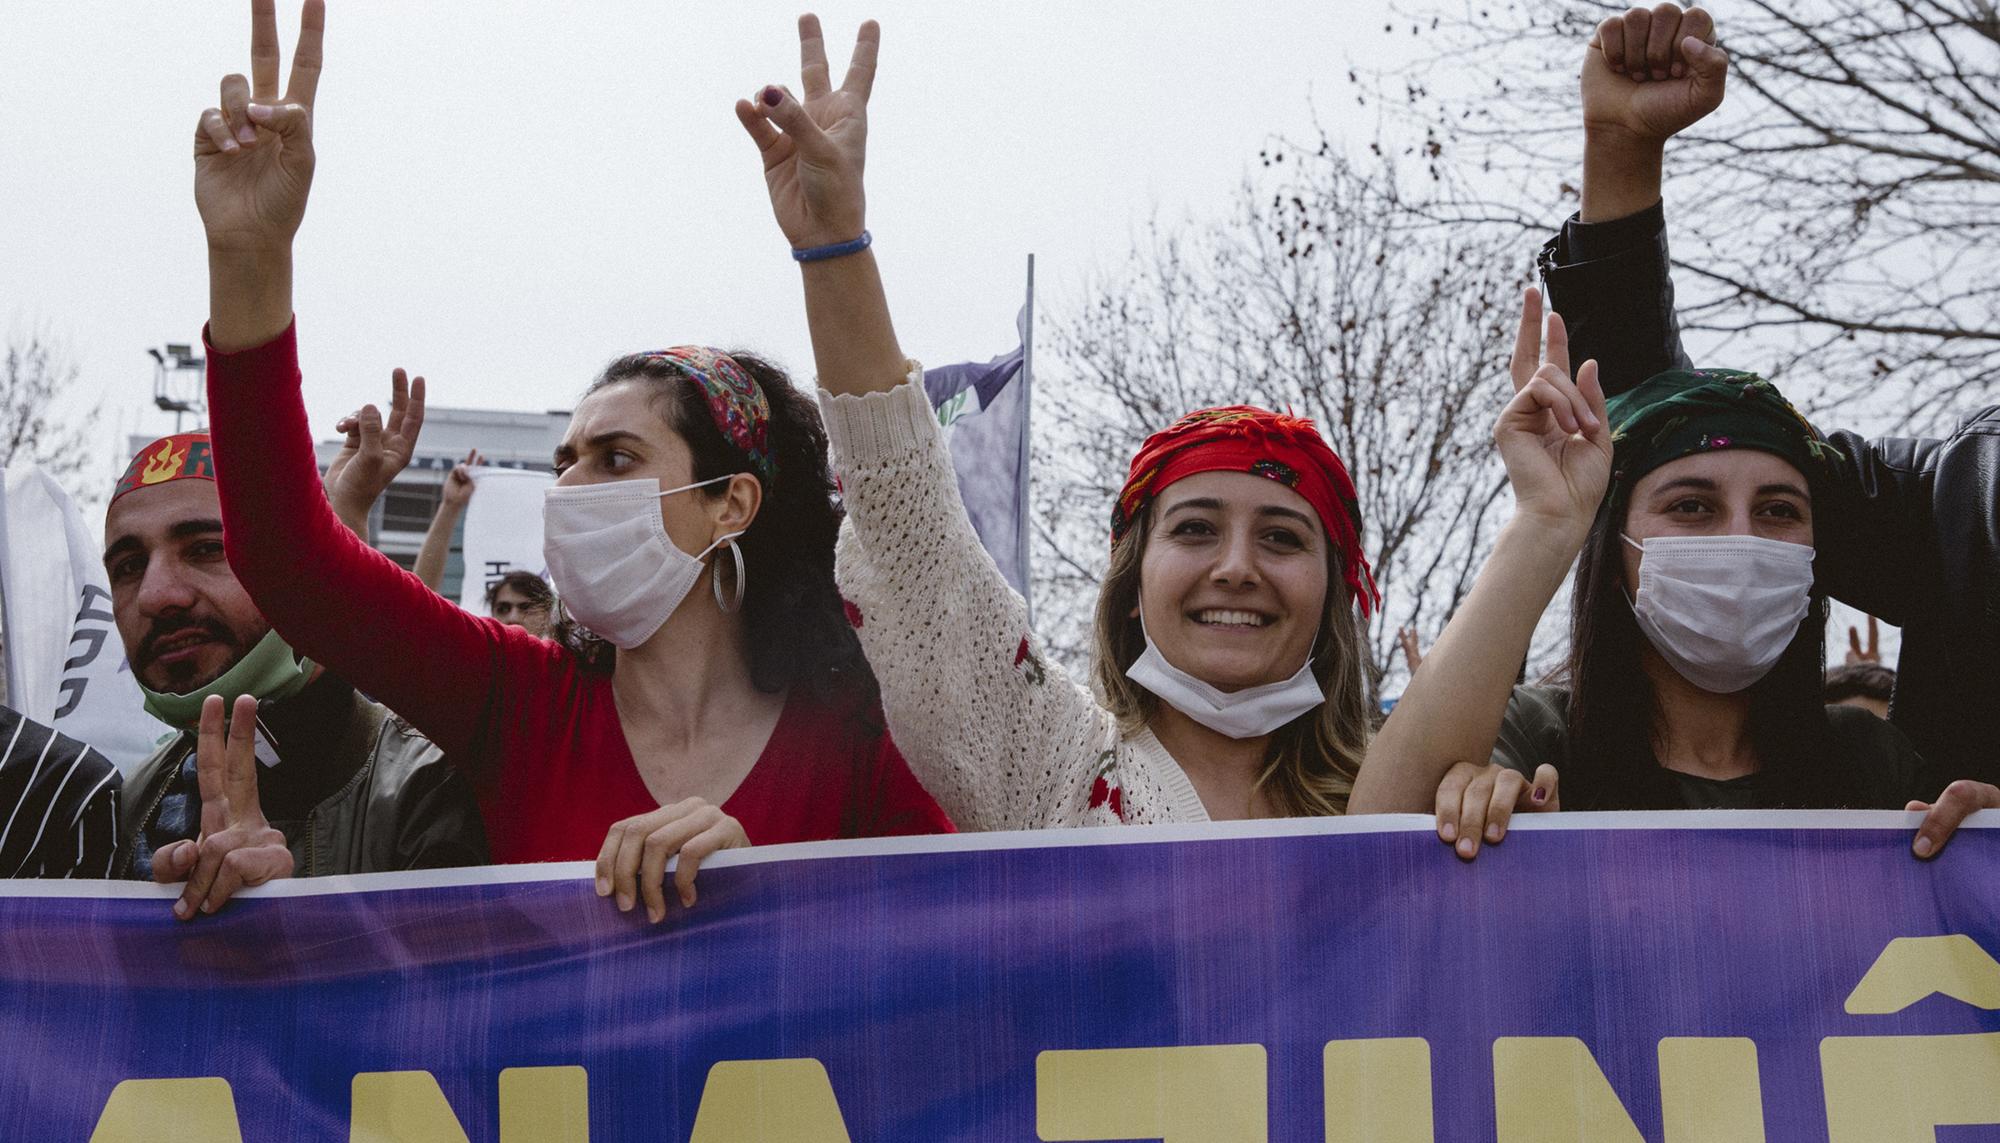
538,735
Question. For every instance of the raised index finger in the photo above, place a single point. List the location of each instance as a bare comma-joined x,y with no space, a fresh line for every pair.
1527,339
1557,351
307,56
264,50
861,69
209,766
813,72
240,758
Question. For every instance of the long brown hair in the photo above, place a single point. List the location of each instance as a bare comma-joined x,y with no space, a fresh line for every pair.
1612,707
1310,764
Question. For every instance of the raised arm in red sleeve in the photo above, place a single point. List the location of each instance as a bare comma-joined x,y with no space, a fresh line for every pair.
333,598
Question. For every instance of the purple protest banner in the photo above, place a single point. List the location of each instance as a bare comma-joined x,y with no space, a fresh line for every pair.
1596,978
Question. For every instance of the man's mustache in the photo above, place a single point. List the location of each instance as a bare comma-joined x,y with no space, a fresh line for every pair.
168,627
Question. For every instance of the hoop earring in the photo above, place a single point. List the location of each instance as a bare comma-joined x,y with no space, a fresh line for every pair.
715,581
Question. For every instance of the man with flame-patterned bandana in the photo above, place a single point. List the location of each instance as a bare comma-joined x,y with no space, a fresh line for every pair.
347,786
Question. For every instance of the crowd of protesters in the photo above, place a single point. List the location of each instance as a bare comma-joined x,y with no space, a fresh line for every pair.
771,621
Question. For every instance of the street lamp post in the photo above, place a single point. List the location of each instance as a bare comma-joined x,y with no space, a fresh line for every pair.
170,363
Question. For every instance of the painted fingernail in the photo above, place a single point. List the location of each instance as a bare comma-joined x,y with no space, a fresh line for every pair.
603,887
1466,848
1541,796
772,96
1922,848
1448,831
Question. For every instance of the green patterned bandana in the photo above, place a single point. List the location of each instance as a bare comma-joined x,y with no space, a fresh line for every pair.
1684,412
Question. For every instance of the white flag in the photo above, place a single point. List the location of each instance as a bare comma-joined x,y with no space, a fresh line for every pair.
65,662
503,530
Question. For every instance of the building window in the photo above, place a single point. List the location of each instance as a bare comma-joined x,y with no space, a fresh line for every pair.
409,509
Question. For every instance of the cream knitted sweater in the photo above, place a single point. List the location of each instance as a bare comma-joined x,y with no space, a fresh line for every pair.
1002,738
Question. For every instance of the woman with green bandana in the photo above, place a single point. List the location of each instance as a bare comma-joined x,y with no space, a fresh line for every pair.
1697,630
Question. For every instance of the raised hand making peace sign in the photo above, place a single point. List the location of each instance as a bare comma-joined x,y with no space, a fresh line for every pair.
814,154
253,154
1553,436
237,847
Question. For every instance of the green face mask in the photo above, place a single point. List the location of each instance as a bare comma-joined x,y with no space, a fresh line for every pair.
272,670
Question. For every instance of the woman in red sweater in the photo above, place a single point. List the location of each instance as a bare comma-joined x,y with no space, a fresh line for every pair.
710,693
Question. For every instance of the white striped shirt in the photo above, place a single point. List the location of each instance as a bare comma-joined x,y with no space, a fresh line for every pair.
58,804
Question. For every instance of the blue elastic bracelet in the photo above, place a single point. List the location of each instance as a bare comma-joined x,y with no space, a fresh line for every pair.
837,250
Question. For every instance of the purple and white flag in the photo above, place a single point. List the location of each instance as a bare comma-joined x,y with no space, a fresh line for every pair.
984,410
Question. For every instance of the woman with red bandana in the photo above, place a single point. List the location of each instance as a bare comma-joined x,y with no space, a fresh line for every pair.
1227,668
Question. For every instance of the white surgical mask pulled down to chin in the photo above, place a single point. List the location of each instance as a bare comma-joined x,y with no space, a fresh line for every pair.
1721,609
1248,713
614,566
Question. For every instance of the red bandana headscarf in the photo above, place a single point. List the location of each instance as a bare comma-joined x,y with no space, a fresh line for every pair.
183,456
1243,438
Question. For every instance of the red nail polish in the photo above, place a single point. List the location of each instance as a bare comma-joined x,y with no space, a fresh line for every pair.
1541,796
772,96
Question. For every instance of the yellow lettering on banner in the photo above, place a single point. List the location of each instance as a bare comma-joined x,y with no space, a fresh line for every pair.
544,1105
1378,1091
1177,1095
1710,1090
169,1111
769,1101
1549,1089
1911,968
1900,1089
401,1107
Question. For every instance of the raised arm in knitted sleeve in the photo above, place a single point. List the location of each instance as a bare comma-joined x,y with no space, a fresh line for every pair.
336,600
1002,738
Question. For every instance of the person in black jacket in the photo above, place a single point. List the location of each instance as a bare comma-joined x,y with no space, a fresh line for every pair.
1910,528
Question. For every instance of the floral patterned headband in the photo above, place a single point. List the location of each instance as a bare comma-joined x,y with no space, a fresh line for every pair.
737,403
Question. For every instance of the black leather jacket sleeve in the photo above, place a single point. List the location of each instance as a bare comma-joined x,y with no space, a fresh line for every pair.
1612,284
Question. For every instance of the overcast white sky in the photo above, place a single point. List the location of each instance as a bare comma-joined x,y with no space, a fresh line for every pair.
511,193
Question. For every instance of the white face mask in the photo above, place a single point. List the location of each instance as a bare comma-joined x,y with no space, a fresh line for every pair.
613,564
1721,609
1249,713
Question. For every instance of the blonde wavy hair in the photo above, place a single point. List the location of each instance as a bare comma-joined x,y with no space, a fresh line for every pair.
1310,765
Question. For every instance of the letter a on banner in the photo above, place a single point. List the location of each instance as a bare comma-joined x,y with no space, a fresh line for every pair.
169,1111
771,1101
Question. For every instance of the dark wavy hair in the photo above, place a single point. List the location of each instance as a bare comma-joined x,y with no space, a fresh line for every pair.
527,584
1612,707
793,616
